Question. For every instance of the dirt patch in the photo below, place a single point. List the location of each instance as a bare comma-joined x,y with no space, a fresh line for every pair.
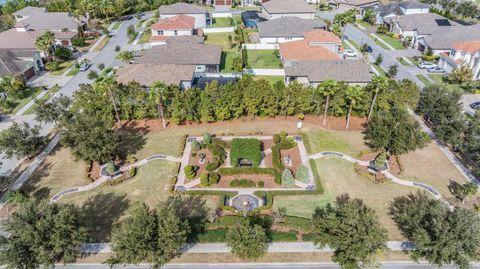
196,161
7,210
294,154
266,144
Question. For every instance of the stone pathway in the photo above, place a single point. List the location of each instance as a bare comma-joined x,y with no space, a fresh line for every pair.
104,179
386,173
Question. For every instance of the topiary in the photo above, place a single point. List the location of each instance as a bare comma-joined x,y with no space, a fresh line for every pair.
207,138
204,180
276,138
302,174
212,166
287,179
380,160
214,178
260,184
196,146
110,168
190,171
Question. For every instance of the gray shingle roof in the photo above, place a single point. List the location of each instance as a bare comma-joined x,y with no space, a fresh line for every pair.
182,8
288,27
354,2
425,24
29,11
413,4
146,74
452,34
11,65
287,6
182,53
349,71
54,21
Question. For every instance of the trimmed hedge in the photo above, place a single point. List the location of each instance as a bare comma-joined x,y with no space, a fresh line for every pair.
308,237
242,183
246,148
277,156
231,171
213,236
190,171
212,166
277,236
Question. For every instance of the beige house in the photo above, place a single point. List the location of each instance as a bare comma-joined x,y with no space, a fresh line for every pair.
275,9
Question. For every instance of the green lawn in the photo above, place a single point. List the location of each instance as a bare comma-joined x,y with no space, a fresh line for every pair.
221,39
424,79
414,60
402,61
102,43
145,38
263,59
246,31
30,93
73,71
438,78
222,22
364,24
379,69
47,96
379,42
354,44
272,79
389,40
237,20
63,67
116,25
227,60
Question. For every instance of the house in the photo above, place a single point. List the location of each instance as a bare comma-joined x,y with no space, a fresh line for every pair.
351,4
180,25
205,58
467,53
317,45
312,73
275,9
199,13
23,63
287,29
146,74
393,9
430,31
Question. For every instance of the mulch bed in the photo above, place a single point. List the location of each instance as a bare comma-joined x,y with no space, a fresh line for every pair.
195,161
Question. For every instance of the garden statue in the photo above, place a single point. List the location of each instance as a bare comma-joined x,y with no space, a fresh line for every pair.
287,160
202,158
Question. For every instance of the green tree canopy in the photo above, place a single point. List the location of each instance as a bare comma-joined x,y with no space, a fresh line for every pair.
20,140
41,233
395,132
352,229
441,236
247,241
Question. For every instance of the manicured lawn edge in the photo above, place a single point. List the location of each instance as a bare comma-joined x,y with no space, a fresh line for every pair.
47,96
423,79
102,44
22,102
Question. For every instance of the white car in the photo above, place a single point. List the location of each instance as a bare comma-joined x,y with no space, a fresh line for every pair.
349,53
426,65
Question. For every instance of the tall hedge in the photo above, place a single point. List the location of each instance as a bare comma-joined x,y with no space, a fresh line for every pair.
245,148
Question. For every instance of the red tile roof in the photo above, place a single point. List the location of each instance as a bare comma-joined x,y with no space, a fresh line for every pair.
179,22
301,50
158,38
322,36
468,46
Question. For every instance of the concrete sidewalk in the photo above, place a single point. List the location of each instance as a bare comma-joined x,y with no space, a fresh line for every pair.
280,247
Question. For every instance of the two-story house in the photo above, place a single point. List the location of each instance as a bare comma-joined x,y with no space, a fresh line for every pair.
275,9
202,17
180,25
467,53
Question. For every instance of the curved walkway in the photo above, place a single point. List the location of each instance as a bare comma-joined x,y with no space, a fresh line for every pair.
104,179
386,173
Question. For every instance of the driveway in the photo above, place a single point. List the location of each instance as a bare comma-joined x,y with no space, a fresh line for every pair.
106,56
467,99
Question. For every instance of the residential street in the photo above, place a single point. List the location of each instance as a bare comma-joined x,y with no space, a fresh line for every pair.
106,56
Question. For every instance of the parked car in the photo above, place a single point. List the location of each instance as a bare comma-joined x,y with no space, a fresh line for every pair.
426,65
369,49
85,65
436,69
349,53
475,105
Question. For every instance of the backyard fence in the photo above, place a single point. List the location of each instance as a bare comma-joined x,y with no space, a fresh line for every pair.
260,46
218,30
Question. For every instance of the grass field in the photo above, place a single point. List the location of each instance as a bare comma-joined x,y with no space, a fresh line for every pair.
379,70
30,94
272,79
221,39
145,38
402,61
63,67
355,44
438,78
395,43
47,96
263,59
116,25
423,79
222,22
227,60
246,31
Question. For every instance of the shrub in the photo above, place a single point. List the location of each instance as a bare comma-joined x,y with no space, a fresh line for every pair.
276,155
309,237
117,48
212,166
276,138
242,183
218,153
204,180
110,168
278,236
213,236
101,66
230,171
132,172
260,184
382,29
196,146
220,142
190,171
52,66
63,53
364,47
302,174
287,179
214,178
248,148
207,138
79,42
92,75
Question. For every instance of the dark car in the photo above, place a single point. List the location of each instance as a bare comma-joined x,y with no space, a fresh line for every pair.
129,17
369,49
475,105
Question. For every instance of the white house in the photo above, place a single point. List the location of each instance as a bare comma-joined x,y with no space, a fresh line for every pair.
275,9
287,29
199,13
463,53
393,9
180,25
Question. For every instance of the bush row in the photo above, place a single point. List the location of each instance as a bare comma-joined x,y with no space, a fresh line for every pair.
242,183
276,154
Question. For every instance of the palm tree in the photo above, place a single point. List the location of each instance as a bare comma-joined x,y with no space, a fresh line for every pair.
107,8
157,94
378,85
11,87
327,89
45,42
353,94
126,56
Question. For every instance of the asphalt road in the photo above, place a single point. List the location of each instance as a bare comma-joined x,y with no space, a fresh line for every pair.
105,56
388,265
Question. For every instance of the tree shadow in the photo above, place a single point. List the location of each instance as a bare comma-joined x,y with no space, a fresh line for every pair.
31,188
101,212
132,140
193,209
453,185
